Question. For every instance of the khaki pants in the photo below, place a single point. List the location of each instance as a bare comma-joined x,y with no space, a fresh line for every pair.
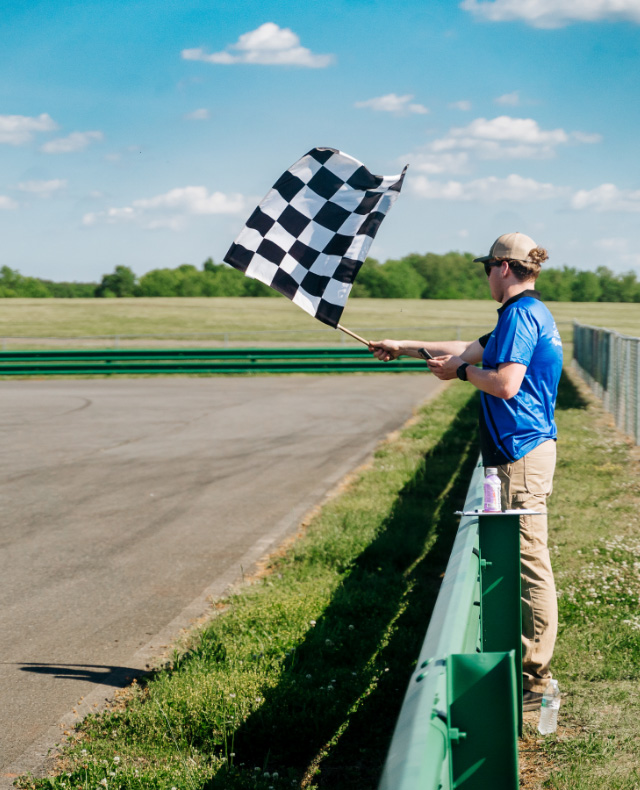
526,484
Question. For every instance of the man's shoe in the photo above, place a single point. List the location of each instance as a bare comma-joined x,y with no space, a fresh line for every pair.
531,700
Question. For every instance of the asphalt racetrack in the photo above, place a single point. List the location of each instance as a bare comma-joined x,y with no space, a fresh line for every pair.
126,503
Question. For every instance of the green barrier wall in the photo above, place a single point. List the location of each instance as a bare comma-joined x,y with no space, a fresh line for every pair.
200,360
462,712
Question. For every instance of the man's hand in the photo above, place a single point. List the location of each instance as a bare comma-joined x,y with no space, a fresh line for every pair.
385,350
445,367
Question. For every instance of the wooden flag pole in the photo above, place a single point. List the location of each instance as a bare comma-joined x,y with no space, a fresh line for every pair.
353,334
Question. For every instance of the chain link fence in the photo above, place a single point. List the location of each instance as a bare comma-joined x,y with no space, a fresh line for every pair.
610,364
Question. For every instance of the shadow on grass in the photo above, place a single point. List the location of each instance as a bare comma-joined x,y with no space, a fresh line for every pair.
334,708
568,395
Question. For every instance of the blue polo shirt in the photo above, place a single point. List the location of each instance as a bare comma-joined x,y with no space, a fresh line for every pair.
525,333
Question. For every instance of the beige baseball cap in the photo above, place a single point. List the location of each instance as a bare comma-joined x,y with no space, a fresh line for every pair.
510,246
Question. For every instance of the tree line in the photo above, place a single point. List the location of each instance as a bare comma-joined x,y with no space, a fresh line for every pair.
429,276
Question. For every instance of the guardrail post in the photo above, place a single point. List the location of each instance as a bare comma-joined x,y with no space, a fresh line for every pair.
499,540
482,705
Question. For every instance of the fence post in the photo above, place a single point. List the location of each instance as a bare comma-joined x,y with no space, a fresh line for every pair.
499,541
482,715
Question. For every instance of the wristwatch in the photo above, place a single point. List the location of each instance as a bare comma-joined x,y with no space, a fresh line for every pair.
461,372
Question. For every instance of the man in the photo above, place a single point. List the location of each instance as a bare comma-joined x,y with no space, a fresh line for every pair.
521,366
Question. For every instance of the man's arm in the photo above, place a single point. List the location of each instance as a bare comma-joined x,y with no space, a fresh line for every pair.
392,349
505,382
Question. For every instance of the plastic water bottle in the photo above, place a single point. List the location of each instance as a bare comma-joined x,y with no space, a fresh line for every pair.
549,709
492,501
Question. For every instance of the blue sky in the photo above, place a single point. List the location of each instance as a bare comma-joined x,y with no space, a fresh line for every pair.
144,133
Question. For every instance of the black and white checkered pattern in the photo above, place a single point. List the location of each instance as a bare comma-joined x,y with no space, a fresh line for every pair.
310,235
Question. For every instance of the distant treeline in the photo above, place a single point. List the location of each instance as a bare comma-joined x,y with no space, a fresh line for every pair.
430,276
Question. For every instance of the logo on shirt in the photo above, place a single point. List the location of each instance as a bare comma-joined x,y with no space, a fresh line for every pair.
556,340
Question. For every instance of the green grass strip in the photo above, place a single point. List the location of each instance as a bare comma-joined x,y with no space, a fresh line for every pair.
299,681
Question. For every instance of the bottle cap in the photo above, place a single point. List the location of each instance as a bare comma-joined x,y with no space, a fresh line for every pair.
491,470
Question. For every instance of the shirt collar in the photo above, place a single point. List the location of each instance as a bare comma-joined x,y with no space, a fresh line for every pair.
531,292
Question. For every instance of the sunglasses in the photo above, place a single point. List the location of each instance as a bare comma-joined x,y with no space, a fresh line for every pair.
489,265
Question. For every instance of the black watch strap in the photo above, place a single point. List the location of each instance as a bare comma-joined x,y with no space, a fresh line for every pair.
461,372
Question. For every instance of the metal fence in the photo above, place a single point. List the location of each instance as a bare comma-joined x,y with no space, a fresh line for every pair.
610,364
461,715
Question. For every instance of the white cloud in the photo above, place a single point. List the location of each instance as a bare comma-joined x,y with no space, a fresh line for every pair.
615,244
42,188
170,209
399,105
464,105
619,253
201,114
433,164
6,204
507,129
513,188
268,45
585,137
19,129
607,197
505,137
554,13
76,141
509,99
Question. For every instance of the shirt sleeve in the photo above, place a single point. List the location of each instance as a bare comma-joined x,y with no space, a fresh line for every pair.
484,340
516,337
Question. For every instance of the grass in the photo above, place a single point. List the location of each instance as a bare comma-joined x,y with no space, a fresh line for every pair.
297,682
266,319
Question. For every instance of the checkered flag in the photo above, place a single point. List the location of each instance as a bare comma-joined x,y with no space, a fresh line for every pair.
310,235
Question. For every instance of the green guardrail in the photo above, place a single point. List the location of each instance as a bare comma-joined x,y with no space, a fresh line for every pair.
462,713
199,360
